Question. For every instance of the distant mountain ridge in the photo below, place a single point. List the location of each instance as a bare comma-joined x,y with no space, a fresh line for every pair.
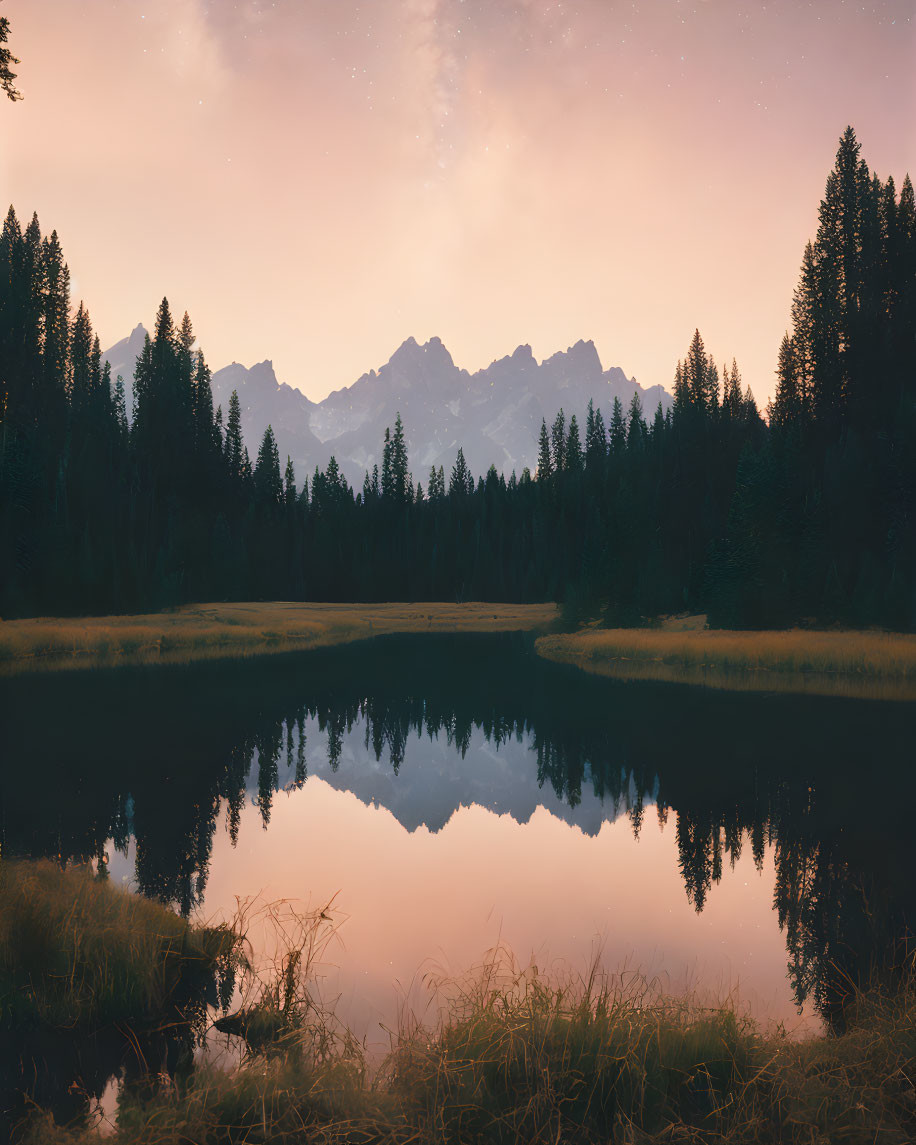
494,415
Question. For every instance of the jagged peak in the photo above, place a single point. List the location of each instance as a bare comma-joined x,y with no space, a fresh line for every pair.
583,355
411,352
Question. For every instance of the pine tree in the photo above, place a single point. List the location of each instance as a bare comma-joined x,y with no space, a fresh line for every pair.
80,385
573,449
731,394
207,436
401,485
636,426
658,427
120,410
234,446
805,313
618,432
462,480
681,396
700,378
595,436
545,462
267,480
56,349
7,60
786,407
387,473
289,484
558,442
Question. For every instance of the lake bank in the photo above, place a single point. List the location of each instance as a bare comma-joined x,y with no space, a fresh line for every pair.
516,1056
855,664
215,631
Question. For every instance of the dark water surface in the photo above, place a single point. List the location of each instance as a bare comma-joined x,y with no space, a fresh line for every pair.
458,792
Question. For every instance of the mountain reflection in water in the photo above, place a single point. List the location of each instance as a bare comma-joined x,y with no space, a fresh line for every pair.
174,765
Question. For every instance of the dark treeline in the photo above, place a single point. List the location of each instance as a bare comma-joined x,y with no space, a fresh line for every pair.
805,517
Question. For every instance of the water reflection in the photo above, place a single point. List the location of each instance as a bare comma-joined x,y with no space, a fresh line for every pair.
164,758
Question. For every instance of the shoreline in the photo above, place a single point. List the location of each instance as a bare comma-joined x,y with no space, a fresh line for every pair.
852,664
869,665
200,632
513,1056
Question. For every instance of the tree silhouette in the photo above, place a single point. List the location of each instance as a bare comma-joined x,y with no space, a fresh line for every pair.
7,60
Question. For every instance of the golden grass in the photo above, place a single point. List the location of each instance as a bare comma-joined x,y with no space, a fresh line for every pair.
521,1059
77,952
866,665
210,631
517,1056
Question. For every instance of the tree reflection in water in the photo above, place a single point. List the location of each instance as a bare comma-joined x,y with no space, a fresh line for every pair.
158,755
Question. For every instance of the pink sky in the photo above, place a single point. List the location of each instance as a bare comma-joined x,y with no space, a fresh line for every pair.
315,180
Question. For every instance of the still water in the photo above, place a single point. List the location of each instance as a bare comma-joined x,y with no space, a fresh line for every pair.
452,794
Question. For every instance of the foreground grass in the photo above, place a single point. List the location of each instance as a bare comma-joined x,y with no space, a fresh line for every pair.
79,954
867,665
534,1062
515,1058
210,631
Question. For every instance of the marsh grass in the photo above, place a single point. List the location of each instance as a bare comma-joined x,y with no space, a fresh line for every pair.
518,1058
211,631
868,665
516,1055
77,953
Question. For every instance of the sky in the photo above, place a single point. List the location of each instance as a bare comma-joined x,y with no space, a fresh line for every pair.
316,180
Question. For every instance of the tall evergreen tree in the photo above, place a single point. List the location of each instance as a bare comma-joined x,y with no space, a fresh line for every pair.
268,482
545,461
233,445
462,480
618,432
572,451
595,436
558,442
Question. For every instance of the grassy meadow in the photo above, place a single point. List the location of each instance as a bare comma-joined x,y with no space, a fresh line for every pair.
516,1057
856,664
211,631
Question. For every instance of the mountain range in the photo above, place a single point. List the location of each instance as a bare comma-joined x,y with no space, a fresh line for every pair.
494,414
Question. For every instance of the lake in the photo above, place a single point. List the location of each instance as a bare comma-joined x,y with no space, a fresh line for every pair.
453,795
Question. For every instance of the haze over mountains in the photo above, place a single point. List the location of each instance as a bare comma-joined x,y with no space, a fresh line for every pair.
494,414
